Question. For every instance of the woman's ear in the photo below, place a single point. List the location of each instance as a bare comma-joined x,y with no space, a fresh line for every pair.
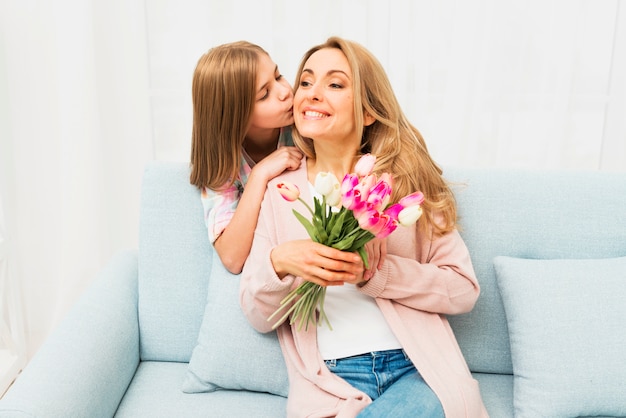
368,119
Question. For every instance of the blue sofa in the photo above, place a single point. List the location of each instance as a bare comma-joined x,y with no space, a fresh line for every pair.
124,349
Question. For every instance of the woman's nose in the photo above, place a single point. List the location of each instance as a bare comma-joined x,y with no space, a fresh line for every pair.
313,92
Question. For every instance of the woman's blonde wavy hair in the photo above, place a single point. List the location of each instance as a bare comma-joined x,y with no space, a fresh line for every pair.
398,146
223,93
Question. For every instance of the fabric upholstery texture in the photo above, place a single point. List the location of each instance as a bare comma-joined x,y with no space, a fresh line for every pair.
155,392
566,327
124,348
174,263
528,214
230,353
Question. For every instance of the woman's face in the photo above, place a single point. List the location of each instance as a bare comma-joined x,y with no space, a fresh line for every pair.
324,99
273,107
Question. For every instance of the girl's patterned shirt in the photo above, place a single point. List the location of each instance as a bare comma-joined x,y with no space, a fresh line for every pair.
220,206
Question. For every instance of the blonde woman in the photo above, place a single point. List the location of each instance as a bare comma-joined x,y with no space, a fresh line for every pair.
391,351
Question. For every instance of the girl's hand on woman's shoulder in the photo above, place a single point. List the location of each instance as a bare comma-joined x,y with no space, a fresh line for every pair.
284,158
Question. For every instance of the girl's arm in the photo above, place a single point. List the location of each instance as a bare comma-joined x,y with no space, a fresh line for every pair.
233,244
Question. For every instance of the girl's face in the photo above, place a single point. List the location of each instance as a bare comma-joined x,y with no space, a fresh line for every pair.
324,99
273,106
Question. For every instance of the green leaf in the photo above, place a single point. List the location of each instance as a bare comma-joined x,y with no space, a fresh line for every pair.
310,229
363,255
337,223
360,241
320,213
345,243
319,222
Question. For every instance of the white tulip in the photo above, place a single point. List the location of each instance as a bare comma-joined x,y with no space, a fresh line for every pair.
325,184
409,215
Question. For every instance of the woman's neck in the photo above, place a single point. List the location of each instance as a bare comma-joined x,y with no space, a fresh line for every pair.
336,160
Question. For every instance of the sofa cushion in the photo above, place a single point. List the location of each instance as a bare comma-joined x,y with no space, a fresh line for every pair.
497,393
174,263
155,392
230,353
540,214
566,327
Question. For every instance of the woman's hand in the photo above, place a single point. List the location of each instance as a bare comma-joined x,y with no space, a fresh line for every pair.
317,263
376,250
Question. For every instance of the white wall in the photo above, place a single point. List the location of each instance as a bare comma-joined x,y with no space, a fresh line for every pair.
536,84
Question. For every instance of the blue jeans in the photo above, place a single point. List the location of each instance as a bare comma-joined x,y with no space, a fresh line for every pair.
393,383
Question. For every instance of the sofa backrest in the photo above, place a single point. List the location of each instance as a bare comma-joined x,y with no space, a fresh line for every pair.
174,263
526,214
529,214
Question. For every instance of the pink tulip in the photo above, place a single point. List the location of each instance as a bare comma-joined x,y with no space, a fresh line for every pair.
414,199
365,185
390,226
394,210
350,199
361,207
377,223
386,177
379,195
348,183
288,191
370,220
365,165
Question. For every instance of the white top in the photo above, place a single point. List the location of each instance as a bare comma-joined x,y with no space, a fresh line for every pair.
358,325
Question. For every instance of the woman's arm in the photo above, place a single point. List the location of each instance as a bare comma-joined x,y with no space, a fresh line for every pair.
438,277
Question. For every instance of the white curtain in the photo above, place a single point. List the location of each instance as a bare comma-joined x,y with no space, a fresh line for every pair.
90,90
76,133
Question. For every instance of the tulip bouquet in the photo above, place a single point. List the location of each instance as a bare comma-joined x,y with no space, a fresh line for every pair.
350,214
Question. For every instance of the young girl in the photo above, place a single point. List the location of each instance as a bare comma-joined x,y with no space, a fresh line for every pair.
391,351
242,112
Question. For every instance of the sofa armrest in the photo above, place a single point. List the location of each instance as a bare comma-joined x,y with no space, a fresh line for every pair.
84,368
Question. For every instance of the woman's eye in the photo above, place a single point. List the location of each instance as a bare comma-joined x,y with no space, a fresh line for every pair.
267,93
336,85
279,77
304,84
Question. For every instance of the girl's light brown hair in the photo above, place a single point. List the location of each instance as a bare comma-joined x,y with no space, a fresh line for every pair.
399,147
223,95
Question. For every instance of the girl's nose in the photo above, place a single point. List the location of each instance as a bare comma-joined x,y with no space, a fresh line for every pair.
284,92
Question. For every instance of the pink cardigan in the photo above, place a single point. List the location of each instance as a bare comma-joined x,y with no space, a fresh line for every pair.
421,281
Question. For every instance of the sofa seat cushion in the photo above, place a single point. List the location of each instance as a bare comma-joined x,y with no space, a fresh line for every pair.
155,392
566,328
497,393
